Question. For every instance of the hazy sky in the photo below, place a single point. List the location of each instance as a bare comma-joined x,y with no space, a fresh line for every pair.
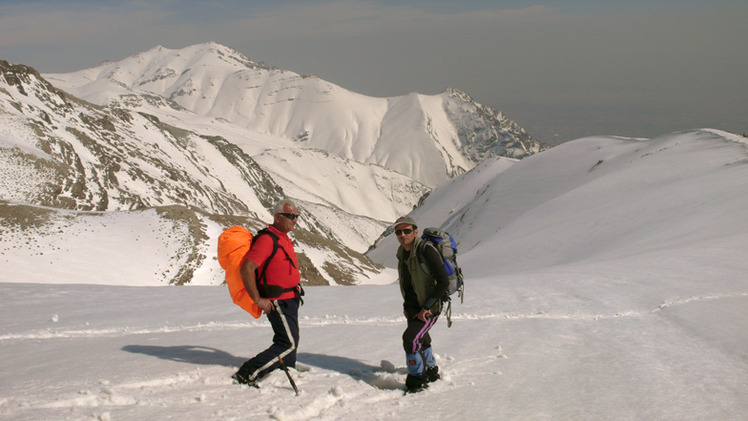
561,69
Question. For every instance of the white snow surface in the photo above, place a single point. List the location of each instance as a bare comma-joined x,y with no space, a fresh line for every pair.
606,279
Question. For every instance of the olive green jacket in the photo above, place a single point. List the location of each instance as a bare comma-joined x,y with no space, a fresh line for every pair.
424,284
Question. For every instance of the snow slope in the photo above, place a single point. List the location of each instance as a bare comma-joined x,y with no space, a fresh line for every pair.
606,280
172,245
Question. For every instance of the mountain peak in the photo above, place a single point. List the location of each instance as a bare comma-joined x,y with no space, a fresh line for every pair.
215,81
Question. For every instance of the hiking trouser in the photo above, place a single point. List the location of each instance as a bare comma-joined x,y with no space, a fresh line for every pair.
417,345
285,322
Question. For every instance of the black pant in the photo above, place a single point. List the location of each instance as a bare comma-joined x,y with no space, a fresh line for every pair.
417,345
285,322
416,336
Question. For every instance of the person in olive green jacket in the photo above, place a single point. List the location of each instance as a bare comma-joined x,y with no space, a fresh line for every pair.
423,284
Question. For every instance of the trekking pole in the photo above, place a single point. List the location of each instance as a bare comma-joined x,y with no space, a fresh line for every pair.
293,384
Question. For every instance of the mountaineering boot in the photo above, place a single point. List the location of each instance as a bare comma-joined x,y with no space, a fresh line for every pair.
432,374
415,384
242,377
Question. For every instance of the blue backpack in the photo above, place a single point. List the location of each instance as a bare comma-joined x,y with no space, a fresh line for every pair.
447,248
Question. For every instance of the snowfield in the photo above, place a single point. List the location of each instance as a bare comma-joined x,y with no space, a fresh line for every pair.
106,352
606,279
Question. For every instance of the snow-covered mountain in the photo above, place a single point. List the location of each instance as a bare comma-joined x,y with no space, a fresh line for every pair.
57,151
429,138
72,154
205,127
148,136
64,152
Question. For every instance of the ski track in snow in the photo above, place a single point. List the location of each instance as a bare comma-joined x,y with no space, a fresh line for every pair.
347,396
667,304
308,322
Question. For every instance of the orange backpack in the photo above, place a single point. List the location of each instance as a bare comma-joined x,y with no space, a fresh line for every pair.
233,244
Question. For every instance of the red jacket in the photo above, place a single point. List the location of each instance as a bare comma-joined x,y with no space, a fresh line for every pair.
279,271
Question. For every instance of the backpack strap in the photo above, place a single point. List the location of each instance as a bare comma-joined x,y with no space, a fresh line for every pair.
419,254
272,291
448,313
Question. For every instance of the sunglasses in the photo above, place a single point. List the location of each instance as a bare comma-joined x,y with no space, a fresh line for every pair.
405,231
291,216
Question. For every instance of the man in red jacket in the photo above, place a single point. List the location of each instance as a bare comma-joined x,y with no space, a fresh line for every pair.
271,276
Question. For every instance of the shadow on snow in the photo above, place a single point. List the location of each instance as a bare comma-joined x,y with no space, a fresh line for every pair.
386,376
188,354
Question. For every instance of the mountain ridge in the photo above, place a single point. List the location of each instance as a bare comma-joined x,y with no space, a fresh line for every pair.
112,145
216,81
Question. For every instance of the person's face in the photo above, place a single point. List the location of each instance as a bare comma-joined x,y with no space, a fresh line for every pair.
406,234
286,221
